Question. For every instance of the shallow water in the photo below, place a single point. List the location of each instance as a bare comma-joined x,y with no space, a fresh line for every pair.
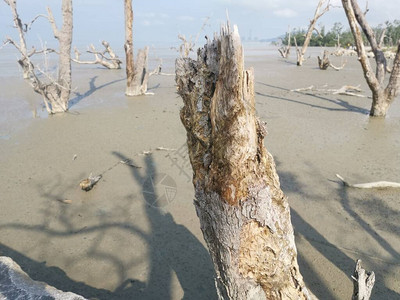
110,244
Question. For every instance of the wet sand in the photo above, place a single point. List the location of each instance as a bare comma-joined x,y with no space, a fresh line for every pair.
115,243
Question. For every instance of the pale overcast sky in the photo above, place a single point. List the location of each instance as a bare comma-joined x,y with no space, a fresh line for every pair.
160,21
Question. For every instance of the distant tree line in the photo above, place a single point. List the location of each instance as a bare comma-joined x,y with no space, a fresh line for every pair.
330,38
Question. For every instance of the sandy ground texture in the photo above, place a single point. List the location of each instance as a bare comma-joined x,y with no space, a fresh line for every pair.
136,234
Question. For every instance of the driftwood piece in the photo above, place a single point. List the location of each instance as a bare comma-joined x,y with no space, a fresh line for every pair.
88,183
107,58
363,282
244,215
348,90
370,185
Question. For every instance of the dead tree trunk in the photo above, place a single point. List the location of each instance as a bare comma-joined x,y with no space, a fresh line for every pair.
136,75
64,37
311,27
244,215
382,96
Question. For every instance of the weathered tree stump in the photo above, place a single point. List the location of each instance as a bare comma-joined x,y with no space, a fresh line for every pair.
323,62
244,215
136,74
285,50
363,282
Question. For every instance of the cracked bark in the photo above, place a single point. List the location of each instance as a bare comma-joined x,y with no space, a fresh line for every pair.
244,215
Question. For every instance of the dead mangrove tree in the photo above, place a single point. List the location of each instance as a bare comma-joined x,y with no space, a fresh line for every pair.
318,13
382,96
137,74
55,92
106,58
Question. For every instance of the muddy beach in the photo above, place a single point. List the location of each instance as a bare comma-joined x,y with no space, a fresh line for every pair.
136,235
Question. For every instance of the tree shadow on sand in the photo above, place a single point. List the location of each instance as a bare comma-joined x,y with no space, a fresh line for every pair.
171,249
336,255
92,88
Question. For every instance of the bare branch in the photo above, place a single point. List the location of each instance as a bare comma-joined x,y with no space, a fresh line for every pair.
52,21
112,62
318,33
27,26
326,9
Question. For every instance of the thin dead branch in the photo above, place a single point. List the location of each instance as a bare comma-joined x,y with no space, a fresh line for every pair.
107,58
187,45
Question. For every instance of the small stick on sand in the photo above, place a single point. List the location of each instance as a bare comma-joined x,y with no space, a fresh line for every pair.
129,163
165,149
370,185
65,201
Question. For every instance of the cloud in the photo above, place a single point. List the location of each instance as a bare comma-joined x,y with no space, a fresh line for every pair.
151,18
186,18
285,13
